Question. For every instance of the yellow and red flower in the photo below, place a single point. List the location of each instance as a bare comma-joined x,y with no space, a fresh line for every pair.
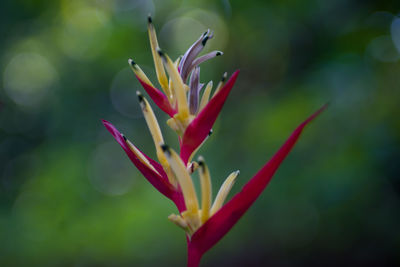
192,118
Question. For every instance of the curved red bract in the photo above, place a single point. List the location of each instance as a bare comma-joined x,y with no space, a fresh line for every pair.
200,127
159,98
159,181
220,223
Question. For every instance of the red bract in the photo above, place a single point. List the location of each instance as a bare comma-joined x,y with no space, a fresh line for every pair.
200,127
221,222
159,98
158,180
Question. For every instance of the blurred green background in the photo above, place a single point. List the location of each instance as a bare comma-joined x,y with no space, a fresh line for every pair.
69,196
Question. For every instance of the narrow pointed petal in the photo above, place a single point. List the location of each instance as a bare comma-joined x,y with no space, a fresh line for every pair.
192,53
220,84
199,128
179,221
158,180
162,78
139,72
195,87
221,222
156,134
206,96
178,84
204,58
159,98
206,190
184,179
224,191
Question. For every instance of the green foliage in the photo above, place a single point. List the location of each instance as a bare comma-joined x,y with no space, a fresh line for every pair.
69,196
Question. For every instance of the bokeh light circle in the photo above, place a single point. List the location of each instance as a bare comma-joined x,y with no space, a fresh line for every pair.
395,32
179,33
383,49
84,33
110,171
28,77
138,6
123,94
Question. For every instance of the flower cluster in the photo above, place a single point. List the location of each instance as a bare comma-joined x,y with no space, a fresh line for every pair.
192,118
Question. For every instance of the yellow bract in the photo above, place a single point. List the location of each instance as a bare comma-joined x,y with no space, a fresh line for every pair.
183,177
162,78
221,83
140,156
223,192
206,96
139,72
156,134
178,86
206,194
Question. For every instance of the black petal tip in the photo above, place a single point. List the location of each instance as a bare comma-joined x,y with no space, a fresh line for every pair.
149,19
165,148
131,62
205,39
123,136
200,161
218,54
160,52
224,77
140,96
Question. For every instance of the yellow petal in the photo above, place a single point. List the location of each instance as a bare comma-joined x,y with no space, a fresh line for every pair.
184,179
193,220
223,192
139,155
206,193
221,83
178,86
192,167
156,134
139,72
178,220
206,96
162,78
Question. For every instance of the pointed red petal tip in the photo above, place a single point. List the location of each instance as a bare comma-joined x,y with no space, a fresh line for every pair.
221,222
200,127
158,180
159,98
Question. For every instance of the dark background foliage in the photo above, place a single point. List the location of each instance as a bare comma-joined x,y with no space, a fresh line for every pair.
69,195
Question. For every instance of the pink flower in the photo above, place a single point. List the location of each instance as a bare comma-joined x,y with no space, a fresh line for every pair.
207,222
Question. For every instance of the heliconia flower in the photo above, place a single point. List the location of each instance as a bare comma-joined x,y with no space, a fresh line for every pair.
181,100
205,222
